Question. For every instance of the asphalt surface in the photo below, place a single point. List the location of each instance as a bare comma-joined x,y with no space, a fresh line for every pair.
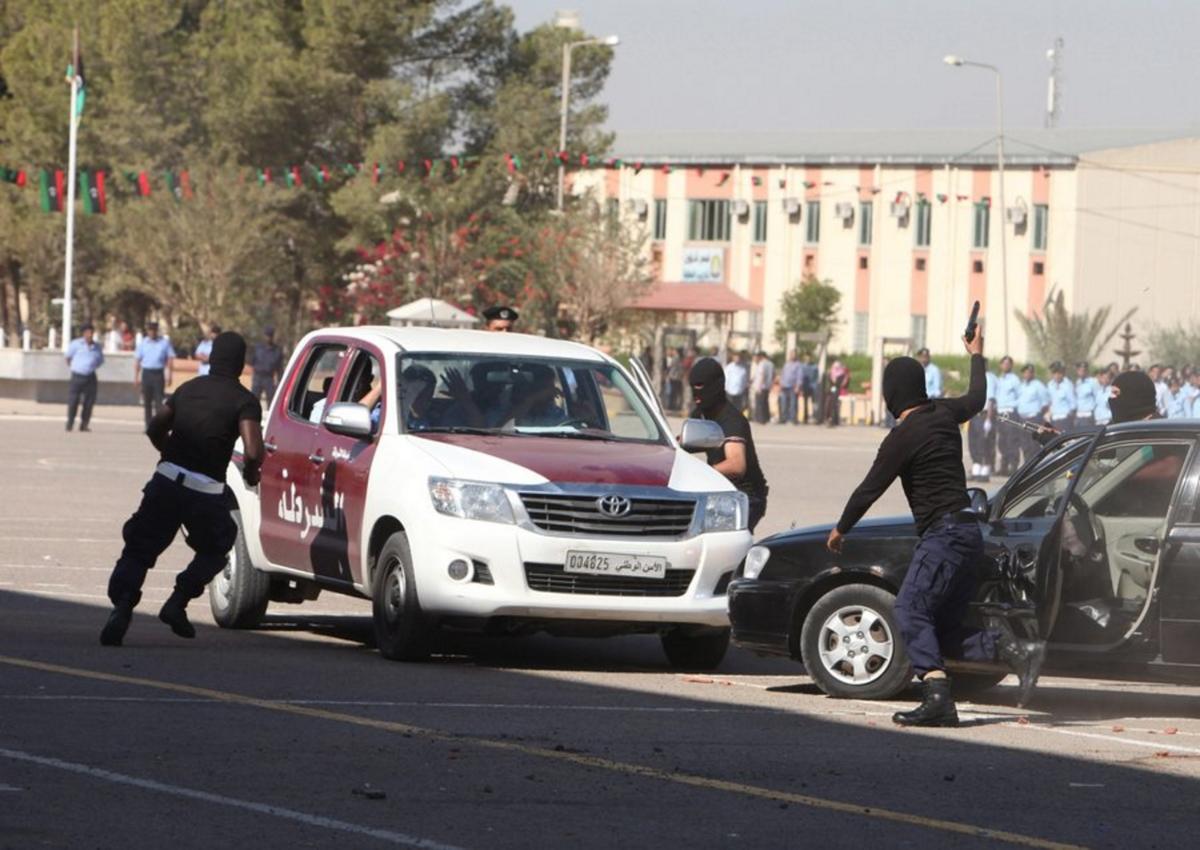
298,734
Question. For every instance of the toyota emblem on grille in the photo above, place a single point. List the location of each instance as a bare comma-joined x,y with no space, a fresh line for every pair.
614,506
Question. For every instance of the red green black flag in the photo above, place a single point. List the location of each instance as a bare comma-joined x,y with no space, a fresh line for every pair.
50,190
92,192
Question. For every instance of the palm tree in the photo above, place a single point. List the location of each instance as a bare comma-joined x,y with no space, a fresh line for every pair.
1059,334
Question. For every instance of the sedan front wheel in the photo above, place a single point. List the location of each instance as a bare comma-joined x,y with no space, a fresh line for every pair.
851,645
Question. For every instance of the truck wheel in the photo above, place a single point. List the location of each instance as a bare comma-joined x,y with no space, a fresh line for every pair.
851,645
401,630
695,648
238,594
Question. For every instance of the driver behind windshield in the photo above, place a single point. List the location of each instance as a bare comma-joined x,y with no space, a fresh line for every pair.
535,399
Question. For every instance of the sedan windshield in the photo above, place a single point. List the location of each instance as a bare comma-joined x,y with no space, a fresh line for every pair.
485,393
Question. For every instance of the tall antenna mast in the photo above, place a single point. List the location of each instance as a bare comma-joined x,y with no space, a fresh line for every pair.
1053,91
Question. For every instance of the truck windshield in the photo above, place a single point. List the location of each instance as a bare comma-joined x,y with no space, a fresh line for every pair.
483,393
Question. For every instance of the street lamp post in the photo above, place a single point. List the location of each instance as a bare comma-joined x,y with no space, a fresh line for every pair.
958,62
610,41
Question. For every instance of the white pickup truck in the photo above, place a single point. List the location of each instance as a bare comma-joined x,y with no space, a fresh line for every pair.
497,482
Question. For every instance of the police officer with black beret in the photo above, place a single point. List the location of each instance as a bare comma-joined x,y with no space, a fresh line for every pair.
195,433
500,319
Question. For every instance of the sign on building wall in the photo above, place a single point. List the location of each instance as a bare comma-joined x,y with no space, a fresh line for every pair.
703,265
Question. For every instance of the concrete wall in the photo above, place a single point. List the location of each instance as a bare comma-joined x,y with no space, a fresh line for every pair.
1138,226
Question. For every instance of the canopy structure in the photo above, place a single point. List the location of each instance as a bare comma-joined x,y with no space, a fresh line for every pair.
430,312
693,298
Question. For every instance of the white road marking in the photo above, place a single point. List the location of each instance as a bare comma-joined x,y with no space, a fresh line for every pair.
40,417
490,706
10,788
1129,742
222,800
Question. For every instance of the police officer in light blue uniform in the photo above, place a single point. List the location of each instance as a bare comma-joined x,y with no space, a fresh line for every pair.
1087,397
1033,402
84,357
204,350
1008,387
1103,412
1062,399
981,434
933,375
1177,407
152,362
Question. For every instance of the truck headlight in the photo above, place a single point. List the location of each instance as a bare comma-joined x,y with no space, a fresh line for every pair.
726,511
756,559
470,500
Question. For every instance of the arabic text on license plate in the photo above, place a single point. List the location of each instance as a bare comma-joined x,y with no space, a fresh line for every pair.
610,564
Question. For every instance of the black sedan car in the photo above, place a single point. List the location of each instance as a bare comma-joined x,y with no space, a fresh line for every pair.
1094,545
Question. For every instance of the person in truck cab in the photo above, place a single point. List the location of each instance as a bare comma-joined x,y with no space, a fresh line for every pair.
194,432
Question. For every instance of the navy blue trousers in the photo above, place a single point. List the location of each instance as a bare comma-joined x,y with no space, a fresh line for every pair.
165,507
934,597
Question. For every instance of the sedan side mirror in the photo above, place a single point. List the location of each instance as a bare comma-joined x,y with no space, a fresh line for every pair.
979,501
348,419
700,434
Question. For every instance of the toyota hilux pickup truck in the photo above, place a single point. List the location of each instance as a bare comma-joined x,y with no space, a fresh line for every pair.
502,483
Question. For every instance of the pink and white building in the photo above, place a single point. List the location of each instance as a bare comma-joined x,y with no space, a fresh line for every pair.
908,224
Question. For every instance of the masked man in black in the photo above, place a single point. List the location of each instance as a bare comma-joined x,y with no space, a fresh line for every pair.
195,433
736,458
925,451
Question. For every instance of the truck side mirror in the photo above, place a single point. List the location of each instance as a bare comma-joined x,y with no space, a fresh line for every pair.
348,419
700,434
979,501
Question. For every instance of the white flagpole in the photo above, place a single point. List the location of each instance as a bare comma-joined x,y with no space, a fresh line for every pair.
70,210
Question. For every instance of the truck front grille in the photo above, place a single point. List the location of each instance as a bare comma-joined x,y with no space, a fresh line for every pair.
581,514
551,578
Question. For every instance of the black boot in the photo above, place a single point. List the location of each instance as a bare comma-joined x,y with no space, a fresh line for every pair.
173,613
118,623
936,708
1025,657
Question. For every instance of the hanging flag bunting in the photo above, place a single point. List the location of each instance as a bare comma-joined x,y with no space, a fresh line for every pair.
808,184
375,172
637,167
583,160
400,166
92,192
666,169
50,186
15,176
143,184
185,184
454,163
297,177
723,179
756,180
172,184
942,198
512,162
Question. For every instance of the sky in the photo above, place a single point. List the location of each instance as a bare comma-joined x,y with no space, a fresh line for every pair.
877,64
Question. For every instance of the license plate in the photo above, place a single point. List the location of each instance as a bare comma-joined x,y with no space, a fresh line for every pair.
610,564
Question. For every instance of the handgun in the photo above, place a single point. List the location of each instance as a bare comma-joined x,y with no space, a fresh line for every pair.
1043,434
972,323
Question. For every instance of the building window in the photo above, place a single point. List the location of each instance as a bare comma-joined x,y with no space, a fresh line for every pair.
660,219
708,221
760,221
918,331
812,228
983,217
866,212
924,220
1039,268
861,340
920,264
862,261
976,266
1041,223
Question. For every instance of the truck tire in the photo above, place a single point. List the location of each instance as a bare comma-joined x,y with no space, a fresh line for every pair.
695,649
238,594
847,661
402,632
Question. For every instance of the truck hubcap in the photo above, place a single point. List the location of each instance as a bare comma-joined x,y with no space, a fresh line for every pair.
856,645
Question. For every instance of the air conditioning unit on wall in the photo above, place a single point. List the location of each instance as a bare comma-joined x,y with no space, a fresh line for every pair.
741,209
791,206
638,207
844,211
1015,216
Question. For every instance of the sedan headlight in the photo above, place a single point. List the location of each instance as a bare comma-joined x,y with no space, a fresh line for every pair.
726,511
756,559
470,500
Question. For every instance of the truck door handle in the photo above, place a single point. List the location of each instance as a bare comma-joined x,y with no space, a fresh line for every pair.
270,447
316,457
1149,545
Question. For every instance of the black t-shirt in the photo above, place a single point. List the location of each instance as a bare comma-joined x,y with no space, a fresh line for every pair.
737,430
208,410
925,451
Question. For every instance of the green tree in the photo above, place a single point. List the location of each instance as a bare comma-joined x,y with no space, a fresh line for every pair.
1057,333
1177,345
811,306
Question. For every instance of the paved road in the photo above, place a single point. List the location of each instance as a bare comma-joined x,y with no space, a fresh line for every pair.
286,736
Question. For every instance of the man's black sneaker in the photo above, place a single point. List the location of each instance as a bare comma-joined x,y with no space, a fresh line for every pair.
936,708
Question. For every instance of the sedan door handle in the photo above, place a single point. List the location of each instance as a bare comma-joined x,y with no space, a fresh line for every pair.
1148,545
316,457
270,447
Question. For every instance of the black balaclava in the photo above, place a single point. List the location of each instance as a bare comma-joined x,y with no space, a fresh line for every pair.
228,355
903,385
1133,397
708,385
